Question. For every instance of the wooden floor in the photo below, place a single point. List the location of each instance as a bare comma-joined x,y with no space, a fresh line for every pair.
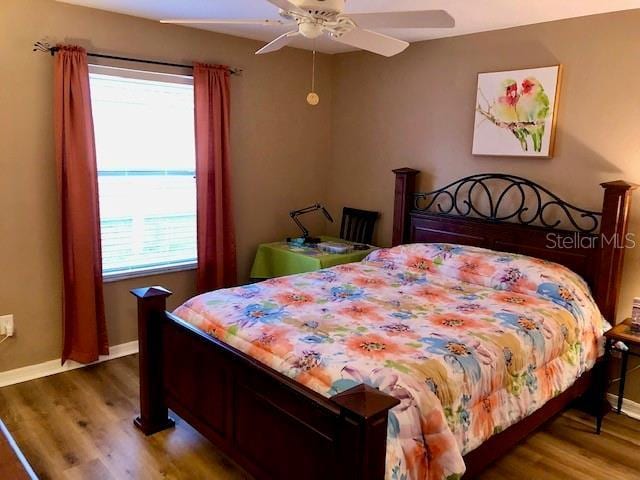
77,425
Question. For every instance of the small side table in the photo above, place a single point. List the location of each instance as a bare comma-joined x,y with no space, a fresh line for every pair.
622,333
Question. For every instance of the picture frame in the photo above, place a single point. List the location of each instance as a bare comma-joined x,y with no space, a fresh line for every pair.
516,112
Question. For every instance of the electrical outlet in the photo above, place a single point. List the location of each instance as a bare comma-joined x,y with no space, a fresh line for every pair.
6,325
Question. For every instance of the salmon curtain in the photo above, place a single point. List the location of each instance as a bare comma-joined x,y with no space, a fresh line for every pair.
85,332
216,237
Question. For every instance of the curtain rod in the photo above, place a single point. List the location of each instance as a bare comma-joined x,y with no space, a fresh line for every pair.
45,47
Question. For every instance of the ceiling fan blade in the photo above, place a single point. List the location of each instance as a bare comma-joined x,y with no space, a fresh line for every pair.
280,42
372,42
285,5
417,19
219,21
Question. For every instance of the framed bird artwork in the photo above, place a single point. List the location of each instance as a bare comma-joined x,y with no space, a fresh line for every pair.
516,112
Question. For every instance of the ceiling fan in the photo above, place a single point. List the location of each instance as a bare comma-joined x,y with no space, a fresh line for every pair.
315,18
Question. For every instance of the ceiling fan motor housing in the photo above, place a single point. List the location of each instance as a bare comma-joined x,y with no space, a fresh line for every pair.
321,8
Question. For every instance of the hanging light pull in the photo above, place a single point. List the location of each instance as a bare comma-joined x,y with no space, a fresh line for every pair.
313,98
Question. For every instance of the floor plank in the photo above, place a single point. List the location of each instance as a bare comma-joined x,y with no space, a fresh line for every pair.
77,425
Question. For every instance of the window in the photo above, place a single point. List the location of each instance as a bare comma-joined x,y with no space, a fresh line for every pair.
145,145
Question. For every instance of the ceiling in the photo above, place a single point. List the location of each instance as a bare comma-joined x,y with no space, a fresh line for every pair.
471,16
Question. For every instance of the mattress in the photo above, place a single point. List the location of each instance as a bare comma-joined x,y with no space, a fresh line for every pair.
469,340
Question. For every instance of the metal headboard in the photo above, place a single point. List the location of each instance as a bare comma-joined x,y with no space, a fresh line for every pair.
498,197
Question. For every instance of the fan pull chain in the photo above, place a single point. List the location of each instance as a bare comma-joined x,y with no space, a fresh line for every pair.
313,73
313,98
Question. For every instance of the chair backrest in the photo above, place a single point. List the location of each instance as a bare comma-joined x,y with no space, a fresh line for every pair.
357,225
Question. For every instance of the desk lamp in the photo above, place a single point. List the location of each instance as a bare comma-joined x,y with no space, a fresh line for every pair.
306,239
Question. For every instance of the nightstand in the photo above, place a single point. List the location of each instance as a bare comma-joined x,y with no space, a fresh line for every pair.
622,333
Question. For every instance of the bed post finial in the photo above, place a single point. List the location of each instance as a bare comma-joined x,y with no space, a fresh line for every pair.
154,415
613,233
403,202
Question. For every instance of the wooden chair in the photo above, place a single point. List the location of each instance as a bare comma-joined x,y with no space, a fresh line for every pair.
357,225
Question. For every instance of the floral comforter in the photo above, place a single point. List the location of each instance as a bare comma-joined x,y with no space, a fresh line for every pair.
469,340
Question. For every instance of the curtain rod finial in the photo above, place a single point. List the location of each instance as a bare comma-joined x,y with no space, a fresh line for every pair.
44,46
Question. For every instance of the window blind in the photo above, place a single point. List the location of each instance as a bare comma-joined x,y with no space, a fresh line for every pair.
144,130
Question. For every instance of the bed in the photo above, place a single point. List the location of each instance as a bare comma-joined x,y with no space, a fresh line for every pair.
425,360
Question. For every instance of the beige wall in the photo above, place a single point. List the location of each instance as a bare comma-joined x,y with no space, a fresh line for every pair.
417,110
279,147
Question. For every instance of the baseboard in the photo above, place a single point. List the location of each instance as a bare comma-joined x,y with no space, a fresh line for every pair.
629,408
52,367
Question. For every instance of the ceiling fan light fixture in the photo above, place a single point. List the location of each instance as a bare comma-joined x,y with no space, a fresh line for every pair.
310,29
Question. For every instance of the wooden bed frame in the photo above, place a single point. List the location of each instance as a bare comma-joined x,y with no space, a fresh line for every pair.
276,428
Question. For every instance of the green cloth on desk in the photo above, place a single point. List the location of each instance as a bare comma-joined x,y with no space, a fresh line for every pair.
279,259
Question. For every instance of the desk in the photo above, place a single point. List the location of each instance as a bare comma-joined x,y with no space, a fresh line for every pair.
279,259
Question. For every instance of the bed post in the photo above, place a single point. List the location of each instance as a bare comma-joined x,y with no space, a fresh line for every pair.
402,204
613,231
363,432
154,415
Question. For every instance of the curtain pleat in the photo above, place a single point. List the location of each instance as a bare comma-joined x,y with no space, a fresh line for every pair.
216,236
84,327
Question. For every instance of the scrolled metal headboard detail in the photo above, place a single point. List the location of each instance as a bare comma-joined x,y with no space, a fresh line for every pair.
506,198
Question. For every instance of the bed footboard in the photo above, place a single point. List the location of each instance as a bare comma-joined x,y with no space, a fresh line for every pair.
266,422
